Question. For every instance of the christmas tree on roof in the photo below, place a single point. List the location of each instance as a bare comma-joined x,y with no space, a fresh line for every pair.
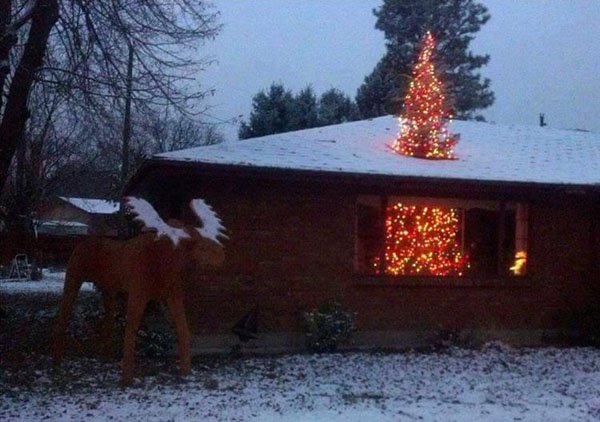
424,123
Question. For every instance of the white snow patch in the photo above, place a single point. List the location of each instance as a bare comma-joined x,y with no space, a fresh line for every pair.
485,151
58,223
147,215
93,206
211,223
51,283
494,384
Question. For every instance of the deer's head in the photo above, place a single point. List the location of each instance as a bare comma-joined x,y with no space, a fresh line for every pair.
201,244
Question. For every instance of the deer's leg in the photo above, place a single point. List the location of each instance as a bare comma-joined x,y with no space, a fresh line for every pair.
70,291
135,311
108,324
175,304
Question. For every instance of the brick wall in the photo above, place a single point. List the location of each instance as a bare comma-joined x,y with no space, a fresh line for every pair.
292,246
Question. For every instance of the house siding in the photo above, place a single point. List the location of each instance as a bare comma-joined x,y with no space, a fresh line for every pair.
292,246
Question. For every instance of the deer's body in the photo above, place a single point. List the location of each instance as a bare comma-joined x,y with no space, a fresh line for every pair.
147,267
144,265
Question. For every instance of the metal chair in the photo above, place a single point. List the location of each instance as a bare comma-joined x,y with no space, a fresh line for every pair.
20,268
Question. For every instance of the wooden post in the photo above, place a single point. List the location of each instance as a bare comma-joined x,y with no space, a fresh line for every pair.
501,238
383,213
521,235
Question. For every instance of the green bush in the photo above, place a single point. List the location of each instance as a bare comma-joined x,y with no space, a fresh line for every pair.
327,327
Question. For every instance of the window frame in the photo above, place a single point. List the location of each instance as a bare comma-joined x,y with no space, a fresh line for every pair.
502,274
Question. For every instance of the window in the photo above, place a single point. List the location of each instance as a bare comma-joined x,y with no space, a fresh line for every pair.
404,236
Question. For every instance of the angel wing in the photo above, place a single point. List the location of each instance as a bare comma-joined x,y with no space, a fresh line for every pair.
144,213
211,223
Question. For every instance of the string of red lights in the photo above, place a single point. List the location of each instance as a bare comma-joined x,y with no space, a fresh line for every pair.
423,241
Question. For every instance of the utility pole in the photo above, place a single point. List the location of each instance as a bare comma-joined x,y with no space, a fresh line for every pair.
123,229
127,120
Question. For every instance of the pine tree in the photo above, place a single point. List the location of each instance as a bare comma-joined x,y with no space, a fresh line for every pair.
277,110
304,113
271,113
336,107
424,125
378,90
453,23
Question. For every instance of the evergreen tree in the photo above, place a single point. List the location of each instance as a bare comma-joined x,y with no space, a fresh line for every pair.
304,110
278,110
271,113
453,23
336,107
377,90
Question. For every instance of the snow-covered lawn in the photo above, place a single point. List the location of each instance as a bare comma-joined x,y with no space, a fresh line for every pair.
52,283
496,383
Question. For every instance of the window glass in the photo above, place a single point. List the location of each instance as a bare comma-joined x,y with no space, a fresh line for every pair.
440,237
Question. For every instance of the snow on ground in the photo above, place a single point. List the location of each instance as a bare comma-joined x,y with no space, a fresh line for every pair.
51,283
495,384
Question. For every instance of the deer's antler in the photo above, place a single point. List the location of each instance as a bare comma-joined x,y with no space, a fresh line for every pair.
211,223
144,213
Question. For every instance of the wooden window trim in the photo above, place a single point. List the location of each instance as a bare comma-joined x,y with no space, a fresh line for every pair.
409,281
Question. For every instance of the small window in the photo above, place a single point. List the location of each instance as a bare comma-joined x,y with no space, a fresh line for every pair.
402,236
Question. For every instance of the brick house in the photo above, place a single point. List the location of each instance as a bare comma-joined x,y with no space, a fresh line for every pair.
307,216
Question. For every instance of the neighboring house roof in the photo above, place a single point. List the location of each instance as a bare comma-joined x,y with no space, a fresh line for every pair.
93,206
61,227
65,223
486,152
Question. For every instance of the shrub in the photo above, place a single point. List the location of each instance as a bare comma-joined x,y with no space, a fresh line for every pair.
327,327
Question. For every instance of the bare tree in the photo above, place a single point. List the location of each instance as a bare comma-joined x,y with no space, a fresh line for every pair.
152,133
88,44
49,143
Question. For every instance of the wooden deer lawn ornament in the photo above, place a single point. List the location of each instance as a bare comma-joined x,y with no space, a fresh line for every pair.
147,267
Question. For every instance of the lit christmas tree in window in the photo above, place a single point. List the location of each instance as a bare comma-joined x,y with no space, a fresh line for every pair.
422,240
424,124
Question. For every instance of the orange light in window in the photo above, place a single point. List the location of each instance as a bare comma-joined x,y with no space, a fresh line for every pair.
520,263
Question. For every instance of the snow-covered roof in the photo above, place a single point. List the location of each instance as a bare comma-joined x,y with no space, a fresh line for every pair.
93,206
486,152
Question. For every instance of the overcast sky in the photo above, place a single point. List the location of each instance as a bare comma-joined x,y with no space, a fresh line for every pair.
544,55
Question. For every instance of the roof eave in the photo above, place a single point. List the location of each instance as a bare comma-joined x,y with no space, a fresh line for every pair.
280,173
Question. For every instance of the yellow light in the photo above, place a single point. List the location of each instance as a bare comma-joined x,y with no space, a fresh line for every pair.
520,263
